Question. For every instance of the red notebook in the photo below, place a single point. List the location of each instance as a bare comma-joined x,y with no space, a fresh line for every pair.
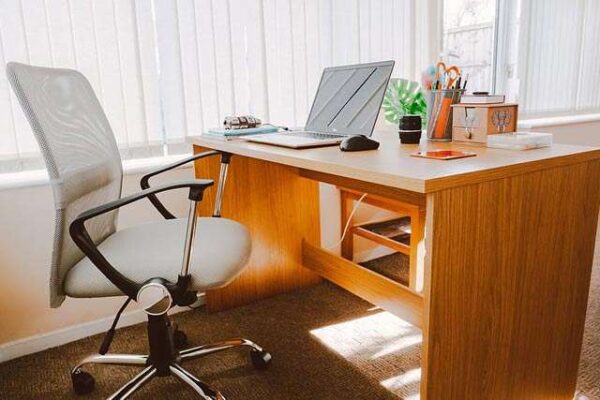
443,154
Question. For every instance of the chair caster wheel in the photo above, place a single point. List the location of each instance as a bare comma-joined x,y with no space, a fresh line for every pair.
180,339
260,359
83,382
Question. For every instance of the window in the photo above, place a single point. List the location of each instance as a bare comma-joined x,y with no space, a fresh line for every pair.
559,67
164,70
469,39
541,53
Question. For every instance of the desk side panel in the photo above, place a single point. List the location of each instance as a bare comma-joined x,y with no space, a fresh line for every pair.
279,208
507,279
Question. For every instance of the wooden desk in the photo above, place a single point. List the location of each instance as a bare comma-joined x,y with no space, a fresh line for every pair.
509,241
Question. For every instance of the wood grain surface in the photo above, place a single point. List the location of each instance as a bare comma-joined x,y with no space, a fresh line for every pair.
509,239
279,208
507,277
392,165
371,286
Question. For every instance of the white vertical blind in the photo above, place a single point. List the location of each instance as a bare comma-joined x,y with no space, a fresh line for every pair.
166,69
589,81
558,57
113,43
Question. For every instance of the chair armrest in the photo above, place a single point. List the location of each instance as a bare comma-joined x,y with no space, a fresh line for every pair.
83,240
145,181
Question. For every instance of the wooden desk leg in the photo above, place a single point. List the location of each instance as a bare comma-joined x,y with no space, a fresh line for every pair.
417,222
507,277
346,204
279,208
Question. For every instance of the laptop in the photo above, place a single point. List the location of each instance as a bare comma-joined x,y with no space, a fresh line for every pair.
347,103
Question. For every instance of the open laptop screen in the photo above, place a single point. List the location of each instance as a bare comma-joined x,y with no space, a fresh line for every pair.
349,98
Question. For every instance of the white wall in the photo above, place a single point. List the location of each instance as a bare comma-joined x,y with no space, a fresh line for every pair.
580,133
27,224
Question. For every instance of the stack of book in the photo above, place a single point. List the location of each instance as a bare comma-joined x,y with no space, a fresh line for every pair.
230,134
482,98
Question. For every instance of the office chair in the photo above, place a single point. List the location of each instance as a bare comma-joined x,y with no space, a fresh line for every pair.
158,264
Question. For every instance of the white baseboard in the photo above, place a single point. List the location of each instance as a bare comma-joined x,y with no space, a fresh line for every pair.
36,343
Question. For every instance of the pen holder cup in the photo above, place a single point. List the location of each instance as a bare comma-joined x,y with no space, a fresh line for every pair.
439,113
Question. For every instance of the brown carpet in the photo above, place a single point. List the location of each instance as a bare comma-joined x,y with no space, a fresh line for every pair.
394,266
326,344
589,366
304,367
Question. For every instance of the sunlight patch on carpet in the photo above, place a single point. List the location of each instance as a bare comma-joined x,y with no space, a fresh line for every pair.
376,333
405,379
382,344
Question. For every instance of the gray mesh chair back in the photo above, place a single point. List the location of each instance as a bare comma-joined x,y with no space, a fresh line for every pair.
80,152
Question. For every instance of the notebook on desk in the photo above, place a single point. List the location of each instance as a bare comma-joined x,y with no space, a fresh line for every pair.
231,134
347,103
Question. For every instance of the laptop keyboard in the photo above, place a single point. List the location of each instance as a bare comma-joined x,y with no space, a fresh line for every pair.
311,135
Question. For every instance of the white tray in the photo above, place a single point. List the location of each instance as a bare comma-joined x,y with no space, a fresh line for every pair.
519,140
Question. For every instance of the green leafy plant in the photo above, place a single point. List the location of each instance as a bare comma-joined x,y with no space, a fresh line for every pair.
404,97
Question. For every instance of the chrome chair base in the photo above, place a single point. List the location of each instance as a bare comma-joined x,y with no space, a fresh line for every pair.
165,361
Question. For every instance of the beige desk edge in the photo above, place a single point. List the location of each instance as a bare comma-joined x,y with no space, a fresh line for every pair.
393,166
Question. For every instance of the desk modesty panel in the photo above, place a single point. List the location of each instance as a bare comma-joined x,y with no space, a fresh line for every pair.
507,252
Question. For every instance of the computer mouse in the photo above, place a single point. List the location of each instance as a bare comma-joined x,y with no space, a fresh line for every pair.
358,143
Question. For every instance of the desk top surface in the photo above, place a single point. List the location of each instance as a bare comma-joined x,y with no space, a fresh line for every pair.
392,164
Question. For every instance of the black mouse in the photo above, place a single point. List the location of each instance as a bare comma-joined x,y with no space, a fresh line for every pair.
358,143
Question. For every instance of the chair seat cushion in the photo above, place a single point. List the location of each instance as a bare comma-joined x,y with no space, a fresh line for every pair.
220,251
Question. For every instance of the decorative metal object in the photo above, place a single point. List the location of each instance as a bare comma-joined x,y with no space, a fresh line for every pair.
241,122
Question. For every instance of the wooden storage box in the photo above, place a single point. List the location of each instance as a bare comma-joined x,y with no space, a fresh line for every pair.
471,123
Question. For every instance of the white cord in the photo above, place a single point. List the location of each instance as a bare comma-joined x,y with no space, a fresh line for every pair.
348,222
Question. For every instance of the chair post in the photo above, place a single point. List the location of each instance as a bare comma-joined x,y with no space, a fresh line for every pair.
161,343
189,238
225,158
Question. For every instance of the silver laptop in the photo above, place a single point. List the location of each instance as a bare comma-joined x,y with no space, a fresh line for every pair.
347,103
